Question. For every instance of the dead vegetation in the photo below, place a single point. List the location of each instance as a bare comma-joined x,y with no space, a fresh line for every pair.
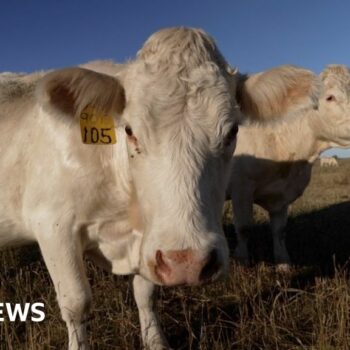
255,308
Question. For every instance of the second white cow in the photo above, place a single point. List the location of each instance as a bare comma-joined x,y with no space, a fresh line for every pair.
272,164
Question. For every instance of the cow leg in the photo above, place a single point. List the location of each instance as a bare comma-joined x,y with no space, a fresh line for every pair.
243,213
152,334
278,221
63,258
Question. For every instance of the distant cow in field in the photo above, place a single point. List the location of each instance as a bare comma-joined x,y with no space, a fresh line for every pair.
128,165
272,163
329,162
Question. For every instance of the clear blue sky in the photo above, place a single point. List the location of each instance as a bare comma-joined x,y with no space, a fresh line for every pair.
252,34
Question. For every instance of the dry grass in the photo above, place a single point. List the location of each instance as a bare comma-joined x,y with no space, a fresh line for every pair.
255,308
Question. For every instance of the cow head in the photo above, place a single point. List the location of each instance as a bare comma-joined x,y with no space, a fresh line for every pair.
176,102
334,121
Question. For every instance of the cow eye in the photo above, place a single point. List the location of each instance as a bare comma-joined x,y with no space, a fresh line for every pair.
231,135
330,98
128,130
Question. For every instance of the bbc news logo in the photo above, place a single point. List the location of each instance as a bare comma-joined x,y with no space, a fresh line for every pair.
18,312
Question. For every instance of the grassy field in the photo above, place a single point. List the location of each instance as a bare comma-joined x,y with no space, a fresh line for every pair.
255,308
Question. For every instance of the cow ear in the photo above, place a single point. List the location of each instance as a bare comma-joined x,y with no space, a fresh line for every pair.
277,93
70,90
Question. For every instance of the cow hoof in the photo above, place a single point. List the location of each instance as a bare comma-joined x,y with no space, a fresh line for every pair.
157,344
283,268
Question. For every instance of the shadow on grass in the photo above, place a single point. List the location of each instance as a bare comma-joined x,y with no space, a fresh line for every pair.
319,238
199,324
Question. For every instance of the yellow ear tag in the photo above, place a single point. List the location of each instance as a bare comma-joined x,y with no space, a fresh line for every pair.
96,128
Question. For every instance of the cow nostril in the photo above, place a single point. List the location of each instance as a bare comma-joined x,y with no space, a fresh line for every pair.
211,267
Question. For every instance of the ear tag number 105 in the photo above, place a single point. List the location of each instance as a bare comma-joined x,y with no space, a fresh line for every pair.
96,128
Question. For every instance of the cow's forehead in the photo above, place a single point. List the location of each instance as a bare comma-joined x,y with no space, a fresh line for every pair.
179,80
161,103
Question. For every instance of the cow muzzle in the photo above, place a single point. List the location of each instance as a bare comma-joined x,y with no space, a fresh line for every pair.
179,267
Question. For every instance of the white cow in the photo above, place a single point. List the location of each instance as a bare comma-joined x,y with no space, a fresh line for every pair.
149,205
272,164
329,162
